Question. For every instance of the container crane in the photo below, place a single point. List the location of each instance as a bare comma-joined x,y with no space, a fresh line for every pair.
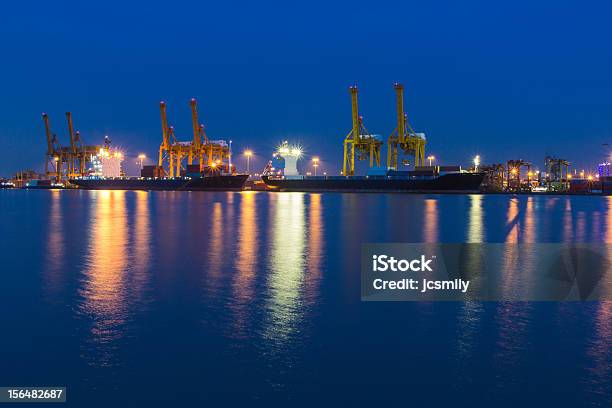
73,154
63,159
515,183
200,148
404,137
359,141
53,156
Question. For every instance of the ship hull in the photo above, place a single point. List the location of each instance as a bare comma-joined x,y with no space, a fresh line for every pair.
212,183
446,183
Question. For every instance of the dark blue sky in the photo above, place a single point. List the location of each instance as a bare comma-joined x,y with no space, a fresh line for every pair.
504,79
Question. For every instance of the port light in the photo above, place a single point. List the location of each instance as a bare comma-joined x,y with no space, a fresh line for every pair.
285,149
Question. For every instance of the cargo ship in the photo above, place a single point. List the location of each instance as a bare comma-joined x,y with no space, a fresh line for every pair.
221,182
281,174
393,181
108,174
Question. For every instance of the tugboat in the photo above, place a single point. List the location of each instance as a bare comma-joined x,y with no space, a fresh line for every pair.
39,184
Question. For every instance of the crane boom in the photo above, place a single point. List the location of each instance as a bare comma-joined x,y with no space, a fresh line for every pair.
197,141
71,132
165,130
355,110
401,117
50,147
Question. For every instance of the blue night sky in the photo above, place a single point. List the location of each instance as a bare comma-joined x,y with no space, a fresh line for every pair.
515,79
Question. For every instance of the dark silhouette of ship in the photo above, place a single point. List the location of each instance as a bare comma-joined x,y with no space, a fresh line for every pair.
417,181
222,182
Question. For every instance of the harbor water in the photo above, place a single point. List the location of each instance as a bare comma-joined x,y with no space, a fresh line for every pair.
167,298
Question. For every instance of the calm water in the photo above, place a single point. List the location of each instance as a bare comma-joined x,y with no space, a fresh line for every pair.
169,298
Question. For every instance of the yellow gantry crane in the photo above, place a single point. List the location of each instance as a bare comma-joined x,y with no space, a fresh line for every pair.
359,141
53,157
210,153
404,137
68,161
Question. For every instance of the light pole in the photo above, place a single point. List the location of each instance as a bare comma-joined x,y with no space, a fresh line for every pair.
315,164
230,158
431,158
141,158
248,154
57,168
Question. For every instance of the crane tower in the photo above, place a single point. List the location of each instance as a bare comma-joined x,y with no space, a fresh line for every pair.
359,141
210,153
404,137
66,161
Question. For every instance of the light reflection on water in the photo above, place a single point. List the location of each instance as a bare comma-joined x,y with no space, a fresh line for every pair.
513,319
470,313
216,236
430,217
116,269
103,283
271,270
600,351
245,266
316,249
55,248
287,266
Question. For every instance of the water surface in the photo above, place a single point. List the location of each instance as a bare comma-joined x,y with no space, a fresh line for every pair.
174,297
